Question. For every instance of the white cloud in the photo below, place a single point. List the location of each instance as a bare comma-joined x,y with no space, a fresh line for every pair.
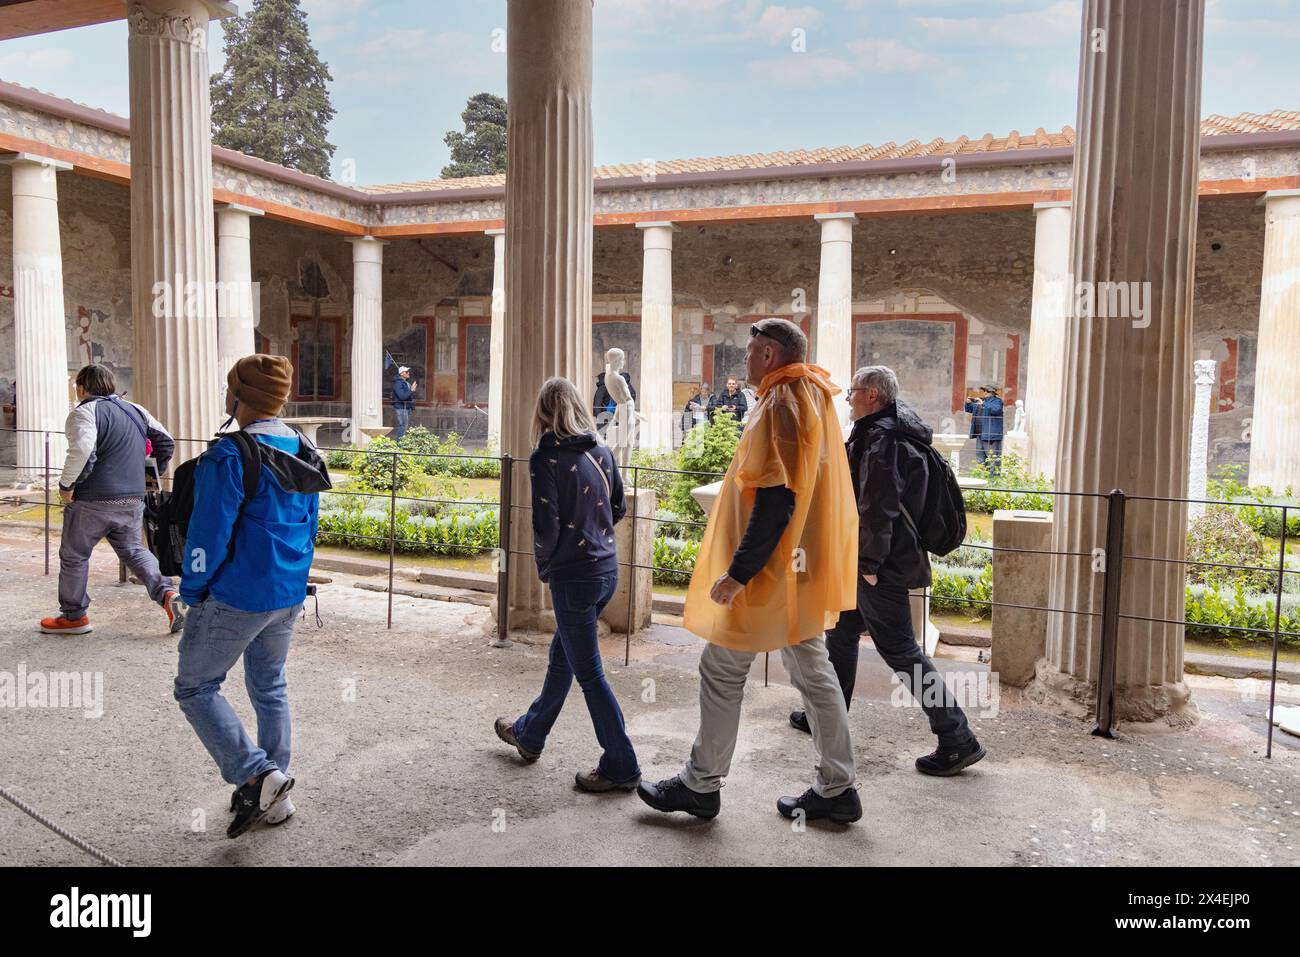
1041,27
333,9
776,24
36,64
890,56
804,71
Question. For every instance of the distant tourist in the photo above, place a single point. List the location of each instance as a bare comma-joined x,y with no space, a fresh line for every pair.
773,565
603,404
577,499
891,476
403,400
731,400
245,581
986,426
103,484
695,411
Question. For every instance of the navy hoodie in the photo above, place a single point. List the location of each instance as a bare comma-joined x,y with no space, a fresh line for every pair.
576,504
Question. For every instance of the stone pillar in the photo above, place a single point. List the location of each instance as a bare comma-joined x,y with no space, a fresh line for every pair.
497,335
834,333
548,242
655,388
40,324
1020,572
1047,320
173,256
367,339
1124,416
641,503
1275,417
1199,464
236,309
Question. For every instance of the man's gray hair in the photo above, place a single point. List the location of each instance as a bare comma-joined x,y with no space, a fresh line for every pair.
786,334
880,378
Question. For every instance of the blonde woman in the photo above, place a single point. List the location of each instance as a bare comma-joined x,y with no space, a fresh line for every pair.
577,500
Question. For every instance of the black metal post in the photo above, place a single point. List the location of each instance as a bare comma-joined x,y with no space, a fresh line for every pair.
392,536
46,483
766,656
505,509
1115,503
632,568
1277,628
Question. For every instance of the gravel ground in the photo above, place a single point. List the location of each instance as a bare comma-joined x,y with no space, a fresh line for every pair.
396,762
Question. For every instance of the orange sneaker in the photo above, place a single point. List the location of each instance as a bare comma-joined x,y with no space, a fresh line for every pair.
66,626
175,609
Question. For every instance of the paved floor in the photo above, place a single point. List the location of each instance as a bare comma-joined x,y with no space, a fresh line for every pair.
396,761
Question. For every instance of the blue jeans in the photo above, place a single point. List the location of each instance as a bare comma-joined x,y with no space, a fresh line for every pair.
576,653
989,450
403,422
215,637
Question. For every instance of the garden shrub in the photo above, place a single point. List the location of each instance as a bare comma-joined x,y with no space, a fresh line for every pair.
707,449
1025,490
1220,536
375,470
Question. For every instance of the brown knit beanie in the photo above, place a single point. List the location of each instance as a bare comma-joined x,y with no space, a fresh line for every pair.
261,382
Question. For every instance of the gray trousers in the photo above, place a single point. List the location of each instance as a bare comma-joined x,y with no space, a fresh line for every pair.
722,687
85,524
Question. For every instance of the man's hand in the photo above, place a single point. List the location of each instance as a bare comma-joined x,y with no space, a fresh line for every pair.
725,590
65,494
871,580
414,385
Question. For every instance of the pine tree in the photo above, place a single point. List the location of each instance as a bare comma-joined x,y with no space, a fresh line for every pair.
271,100
481,149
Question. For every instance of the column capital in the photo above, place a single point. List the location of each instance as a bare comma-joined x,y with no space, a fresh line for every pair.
1275,199
828,217
1059,204
367,249
494,232
239,208
36,159
1203,370
661,223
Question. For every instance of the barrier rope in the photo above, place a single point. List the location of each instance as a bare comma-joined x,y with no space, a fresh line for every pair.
70,838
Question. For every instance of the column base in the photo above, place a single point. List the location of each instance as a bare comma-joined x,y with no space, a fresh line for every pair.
1163,707
527,627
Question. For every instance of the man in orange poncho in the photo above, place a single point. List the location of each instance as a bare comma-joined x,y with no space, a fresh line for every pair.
777,565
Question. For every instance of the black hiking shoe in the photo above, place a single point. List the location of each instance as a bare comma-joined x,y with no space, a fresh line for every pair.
843,808
944,762
672,795
799,721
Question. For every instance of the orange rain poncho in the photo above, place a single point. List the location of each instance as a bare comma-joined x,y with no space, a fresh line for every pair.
793,439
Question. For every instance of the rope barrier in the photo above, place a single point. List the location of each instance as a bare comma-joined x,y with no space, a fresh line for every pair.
70,838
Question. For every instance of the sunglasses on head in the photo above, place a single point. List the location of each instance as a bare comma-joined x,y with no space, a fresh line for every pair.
772,331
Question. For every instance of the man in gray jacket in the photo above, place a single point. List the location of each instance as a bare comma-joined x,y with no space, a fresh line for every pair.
102,486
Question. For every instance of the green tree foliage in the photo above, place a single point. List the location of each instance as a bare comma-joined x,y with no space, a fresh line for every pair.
271,99
481,149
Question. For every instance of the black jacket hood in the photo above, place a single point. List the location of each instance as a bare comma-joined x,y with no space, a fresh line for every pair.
898,417
579,443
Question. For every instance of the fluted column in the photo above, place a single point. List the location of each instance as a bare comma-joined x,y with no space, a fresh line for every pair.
40,324
1275,417
236,314
1125,405
367,337
1047,333
173,257
835,304
1199,463
548,239
497,334
656,385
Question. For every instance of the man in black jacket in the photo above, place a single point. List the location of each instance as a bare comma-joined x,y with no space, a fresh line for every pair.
602,404
890,474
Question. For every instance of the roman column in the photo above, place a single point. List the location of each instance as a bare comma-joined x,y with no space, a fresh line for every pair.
655,390
367,338
834,334
1199,463
173,255
40,325
1275,416
548,242
1125,401
236,307
1047,333
497,333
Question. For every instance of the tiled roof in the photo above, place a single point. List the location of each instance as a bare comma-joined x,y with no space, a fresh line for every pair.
1213,125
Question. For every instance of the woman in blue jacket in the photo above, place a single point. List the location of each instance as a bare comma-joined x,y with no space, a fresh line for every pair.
577,500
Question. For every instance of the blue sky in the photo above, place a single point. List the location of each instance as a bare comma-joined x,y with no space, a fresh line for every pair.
679,78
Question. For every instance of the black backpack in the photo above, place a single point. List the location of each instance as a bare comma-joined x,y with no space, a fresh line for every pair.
167,513
942,528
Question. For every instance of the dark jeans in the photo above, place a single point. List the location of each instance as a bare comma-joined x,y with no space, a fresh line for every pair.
885,613
403,416
989,450
575,653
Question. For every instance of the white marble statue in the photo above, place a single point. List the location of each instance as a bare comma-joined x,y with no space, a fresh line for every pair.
1018,426
621,434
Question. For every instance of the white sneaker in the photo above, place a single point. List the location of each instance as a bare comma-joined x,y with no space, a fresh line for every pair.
280,812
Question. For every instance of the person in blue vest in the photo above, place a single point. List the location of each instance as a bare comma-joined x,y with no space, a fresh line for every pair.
403,399
103,486
985,411
245,579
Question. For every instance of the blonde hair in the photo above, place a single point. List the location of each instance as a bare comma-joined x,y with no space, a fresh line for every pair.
561,410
